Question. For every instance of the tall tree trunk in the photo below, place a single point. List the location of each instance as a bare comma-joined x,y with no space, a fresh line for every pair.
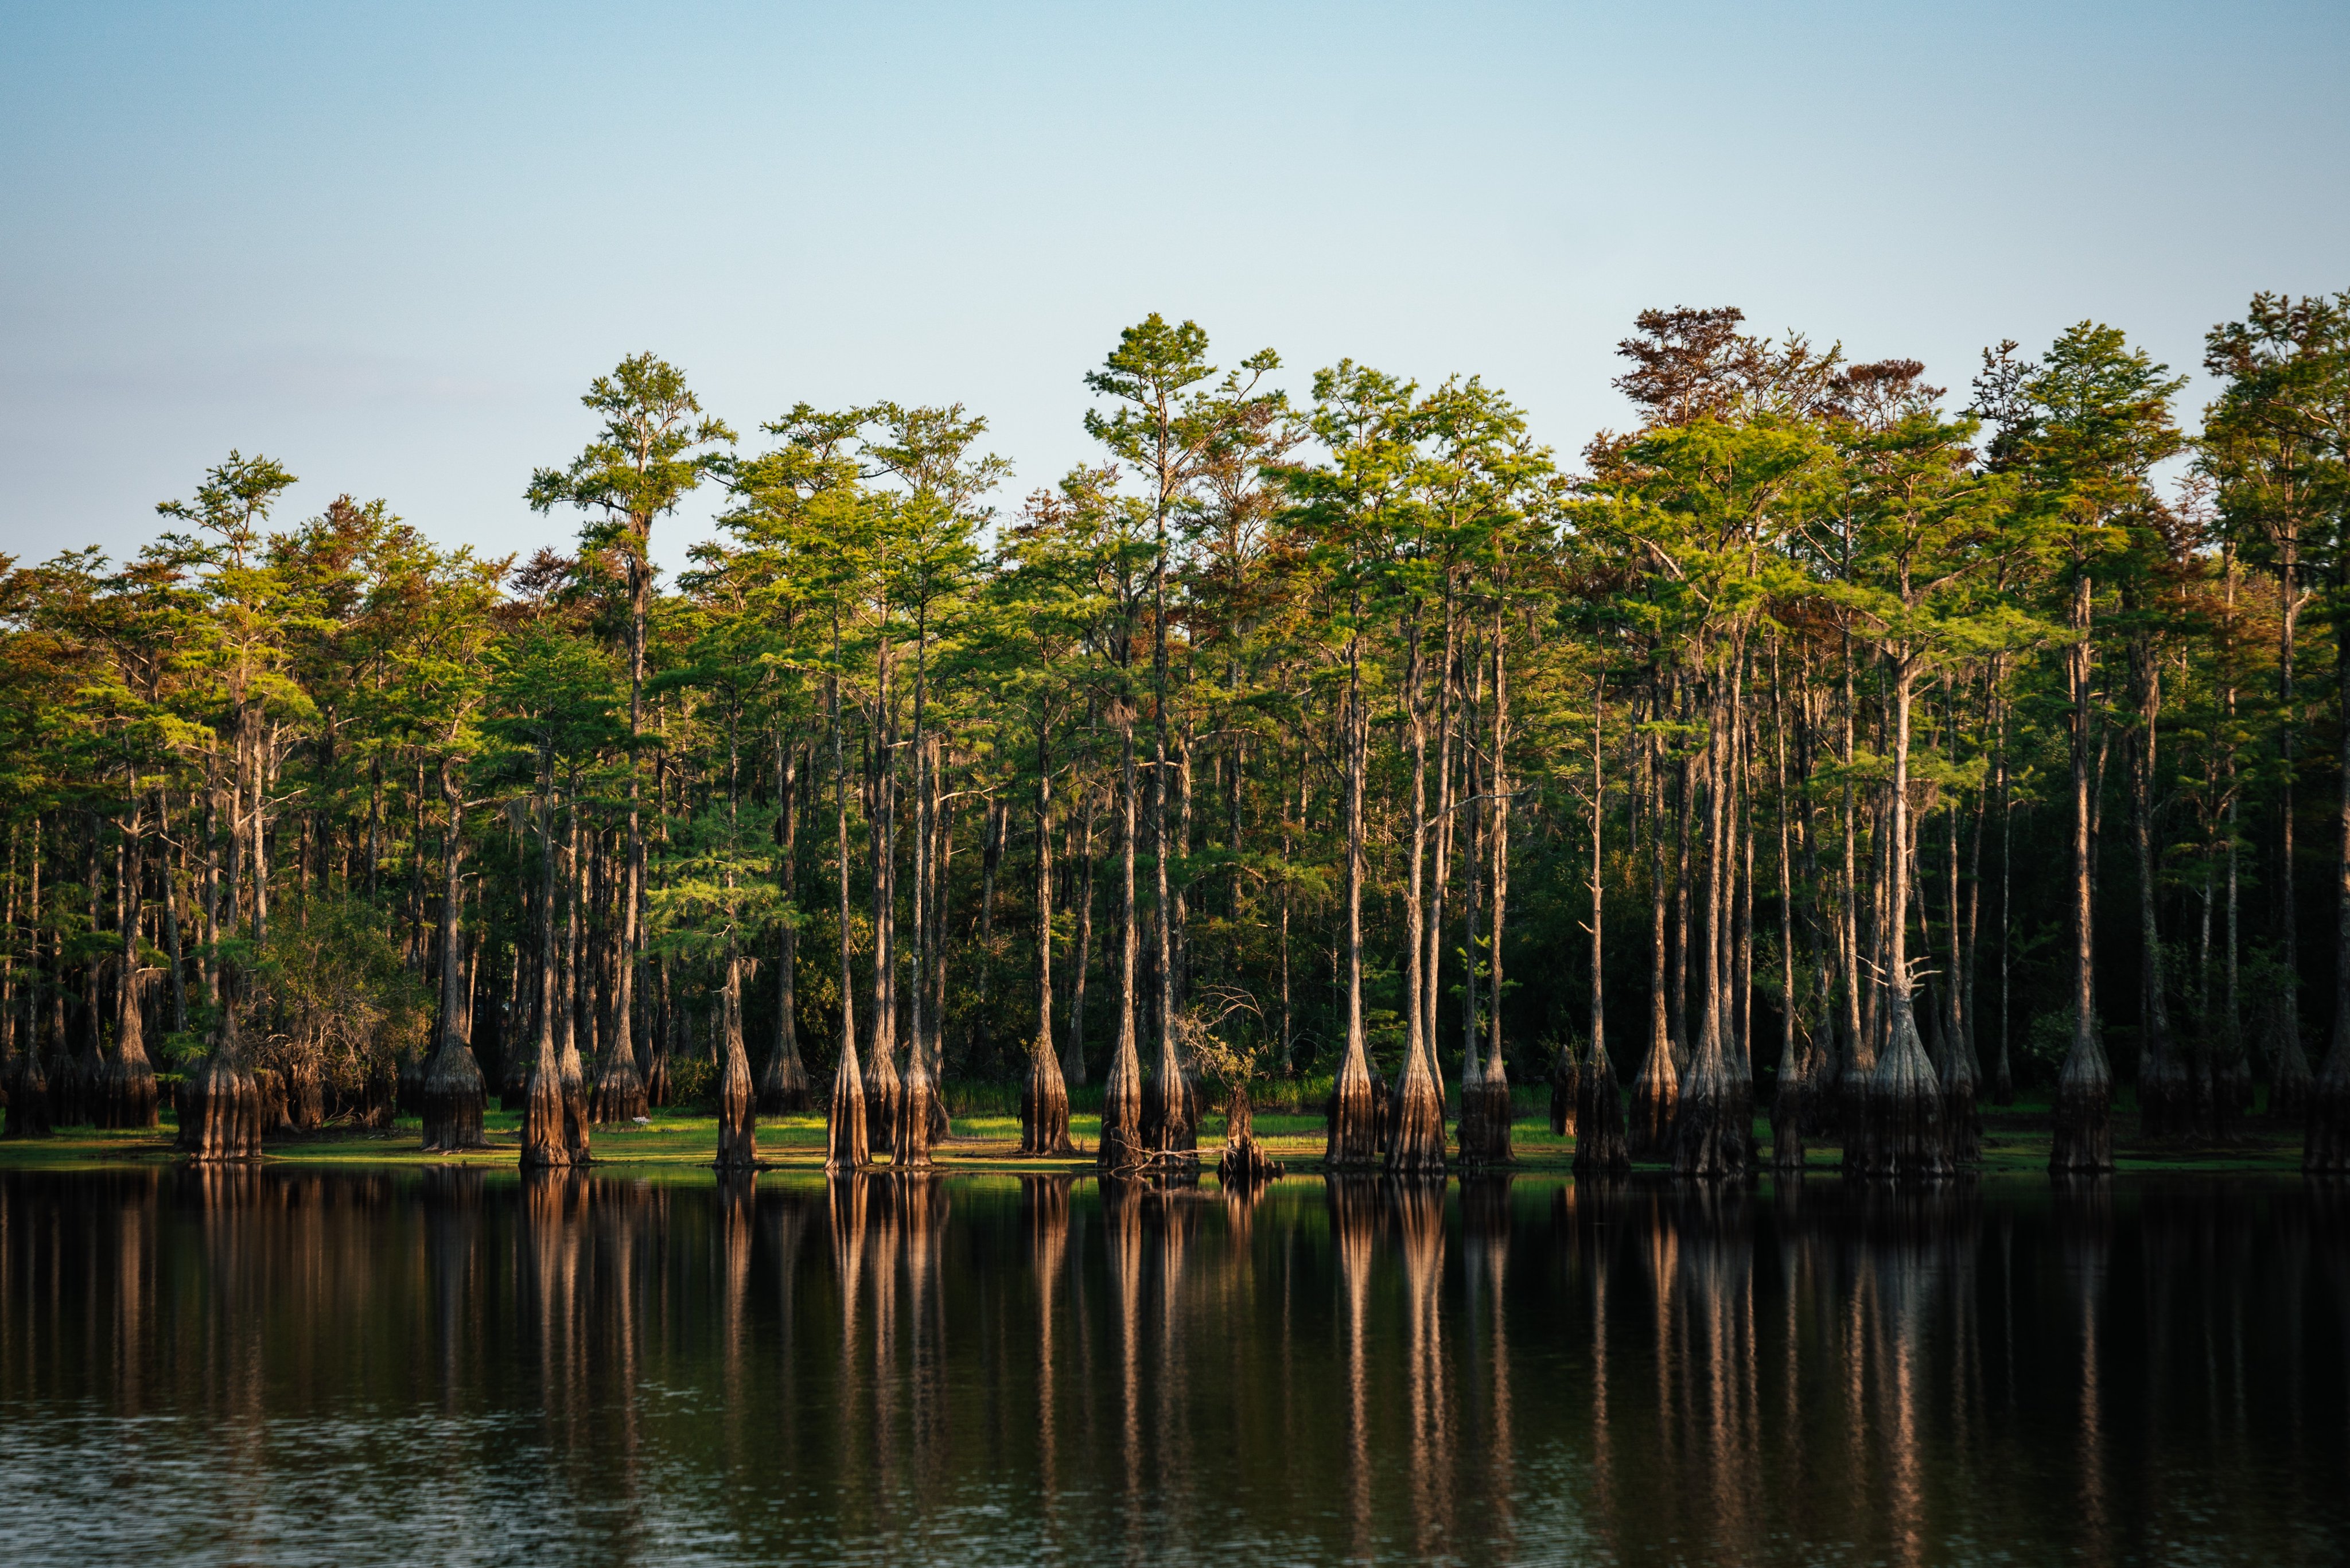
883,1088
1905,1133
1792,1092
1353,1134
1121,1147
1655,1088
1416,1142
1599,1144
576,982
454,1090
1044,1095
220,1103
784,1088
2083,1138
126,1096
1169,1108
544,1140
848,1144
1712,1133
1073,1057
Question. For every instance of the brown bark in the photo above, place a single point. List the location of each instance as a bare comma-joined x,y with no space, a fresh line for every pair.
784,1088
1121,1147
544,1143
453,1093
126,1089
1904,1133
1353,1123
847,1143
2083,1141
1655,1088
738,1109
1043,1094
1713,1131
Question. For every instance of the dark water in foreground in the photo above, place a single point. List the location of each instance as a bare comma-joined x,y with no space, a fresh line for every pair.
275,1366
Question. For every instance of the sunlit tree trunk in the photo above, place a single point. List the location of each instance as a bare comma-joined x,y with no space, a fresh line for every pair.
454,1090
2085,1087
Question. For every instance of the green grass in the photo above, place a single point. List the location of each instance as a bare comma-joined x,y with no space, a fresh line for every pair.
986,1136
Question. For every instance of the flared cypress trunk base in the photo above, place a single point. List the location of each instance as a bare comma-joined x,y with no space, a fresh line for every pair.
544,1143
1351,1138
1044,1106
1170,1112
1712,1128
1904,1131
453,1097
656,1076
1599,1143
1485,1122
910,1148
738,1116
846,1130
1471,1130
784,1088
220,1113
2083,1122
619,1092
1655,1107
1415,1140
127,1094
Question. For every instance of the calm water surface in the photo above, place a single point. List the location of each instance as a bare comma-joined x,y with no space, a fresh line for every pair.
272,1367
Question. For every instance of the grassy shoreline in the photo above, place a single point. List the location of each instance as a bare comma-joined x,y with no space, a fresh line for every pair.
2015,1141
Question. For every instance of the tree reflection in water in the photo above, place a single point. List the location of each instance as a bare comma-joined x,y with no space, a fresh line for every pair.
264,1364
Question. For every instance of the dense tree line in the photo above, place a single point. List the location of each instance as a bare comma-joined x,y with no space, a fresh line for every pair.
1828,746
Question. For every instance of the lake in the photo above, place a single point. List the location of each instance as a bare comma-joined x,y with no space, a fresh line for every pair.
273,1366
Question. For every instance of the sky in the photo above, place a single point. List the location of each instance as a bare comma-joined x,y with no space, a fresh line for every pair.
389,245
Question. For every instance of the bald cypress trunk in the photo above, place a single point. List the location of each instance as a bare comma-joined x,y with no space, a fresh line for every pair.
1712,1134
847,1143
1904,1133
1417,1141
1353,1134
783,1086
544,1143
126,1091
1791,1100
1655,1088
453,1091
2083,1138
1121,1147
220,1102
1599,1144
1043,1094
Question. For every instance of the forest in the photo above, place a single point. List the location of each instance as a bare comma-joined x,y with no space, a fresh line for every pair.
1831,752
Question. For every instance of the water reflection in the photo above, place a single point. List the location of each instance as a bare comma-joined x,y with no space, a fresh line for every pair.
267,1365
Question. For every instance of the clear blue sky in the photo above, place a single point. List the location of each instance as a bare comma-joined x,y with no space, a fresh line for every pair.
389,244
